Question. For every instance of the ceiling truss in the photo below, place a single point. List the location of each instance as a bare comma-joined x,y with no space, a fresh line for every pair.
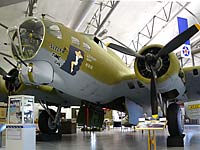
100,17
155,25
150,30
31,7
166,14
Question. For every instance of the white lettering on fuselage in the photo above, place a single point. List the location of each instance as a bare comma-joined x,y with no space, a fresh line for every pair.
89,66
57,49
90,58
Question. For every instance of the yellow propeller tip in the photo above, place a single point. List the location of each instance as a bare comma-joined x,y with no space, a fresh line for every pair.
155,116
107,44
197,26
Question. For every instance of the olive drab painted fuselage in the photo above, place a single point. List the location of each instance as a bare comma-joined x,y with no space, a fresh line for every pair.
72,63
79,67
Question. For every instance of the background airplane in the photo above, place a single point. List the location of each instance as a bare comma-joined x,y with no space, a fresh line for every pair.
62,67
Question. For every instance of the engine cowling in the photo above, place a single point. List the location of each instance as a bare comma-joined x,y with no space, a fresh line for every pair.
37,73
167,69
12,84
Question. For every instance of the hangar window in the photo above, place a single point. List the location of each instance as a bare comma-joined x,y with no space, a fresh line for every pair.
86,46
53,29
75,41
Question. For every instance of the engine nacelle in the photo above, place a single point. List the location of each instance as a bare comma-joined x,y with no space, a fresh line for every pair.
13,84
37,73
169,83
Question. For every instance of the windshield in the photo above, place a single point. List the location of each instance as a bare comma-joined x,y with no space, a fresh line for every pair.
27,39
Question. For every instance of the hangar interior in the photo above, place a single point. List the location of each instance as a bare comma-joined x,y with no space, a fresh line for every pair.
133,23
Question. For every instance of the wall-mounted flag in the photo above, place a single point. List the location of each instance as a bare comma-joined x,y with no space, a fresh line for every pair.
185,48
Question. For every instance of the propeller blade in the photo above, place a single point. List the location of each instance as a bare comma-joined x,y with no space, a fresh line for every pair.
154,102
179,40
5,55
21,61
12,80
4,26
3,72
124,50
9,62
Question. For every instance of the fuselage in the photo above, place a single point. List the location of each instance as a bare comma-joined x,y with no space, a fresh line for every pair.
73,63
79,67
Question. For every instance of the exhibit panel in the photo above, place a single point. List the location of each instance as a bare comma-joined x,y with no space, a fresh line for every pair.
192,112
20,128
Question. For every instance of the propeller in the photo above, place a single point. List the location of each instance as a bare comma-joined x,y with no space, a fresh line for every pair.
153,93
178,40
11,78
21,60
4,26
5,55
123,49
151,60
3,72
126,50
6,59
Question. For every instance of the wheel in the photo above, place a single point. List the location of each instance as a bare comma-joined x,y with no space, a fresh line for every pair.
175,120
45,122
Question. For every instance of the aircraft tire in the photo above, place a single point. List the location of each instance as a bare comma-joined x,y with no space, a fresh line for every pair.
45,122
174,118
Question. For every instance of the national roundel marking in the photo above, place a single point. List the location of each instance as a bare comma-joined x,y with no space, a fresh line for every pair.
186,51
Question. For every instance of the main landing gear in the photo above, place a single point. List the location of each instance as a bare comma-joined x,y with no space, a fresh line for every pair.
90,116
46,122
49,124
175,126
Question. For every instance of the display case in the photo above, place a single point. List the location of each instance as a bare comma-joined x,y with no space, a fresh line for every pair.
20,130
20,109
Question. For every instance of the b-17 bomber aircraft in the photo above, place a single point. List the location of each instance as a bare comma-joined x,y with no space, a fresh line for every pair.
64,68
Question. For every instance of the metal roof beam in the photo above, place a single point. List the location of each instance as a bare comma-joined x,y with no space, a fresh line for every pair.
150,30
166,14
100,17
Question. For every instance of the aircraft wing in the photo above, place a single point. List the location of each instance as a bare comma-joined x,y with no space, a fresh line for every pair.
41,92
192,80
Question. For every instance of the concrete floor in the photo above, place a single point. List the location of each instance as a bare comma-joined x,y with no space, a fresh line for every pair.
115,139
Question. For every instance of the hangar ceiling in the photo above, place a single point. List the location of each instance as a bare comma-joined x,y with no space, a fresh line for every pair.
124,23
9,2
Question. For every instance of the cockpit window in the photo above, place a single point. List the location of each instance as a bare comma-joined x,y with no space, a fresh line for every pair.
27,39
53,29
